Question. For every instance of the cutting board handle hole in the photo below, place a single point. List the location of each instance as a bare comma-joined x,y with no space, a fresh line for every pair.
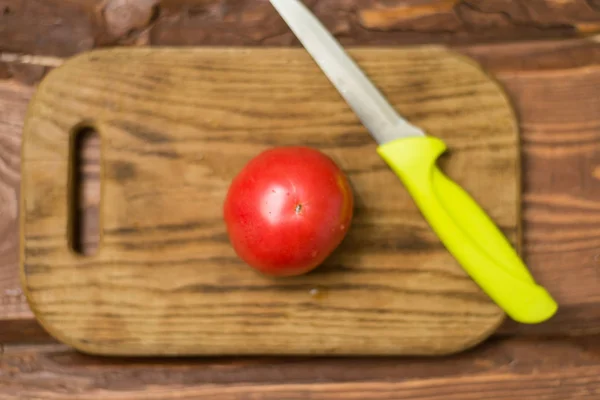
84,223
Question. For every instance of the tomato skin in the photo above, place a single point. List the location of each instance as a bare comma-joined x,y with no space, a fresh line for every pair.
287,210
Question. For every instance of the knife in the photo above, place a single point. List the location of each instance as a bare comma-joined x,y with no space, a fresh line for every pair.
463,227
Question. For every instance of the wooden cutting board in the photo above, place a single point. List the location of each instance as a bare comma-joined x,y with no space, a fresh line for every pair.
176,125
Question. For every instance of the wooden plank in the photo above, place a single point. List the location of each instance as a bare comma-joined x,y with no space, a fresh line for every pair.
23,330
64,28
166,280
530,56
553,369
13,103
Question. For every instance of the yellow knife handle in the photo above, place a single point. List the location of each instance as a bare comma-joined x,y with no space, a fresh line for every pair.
467,231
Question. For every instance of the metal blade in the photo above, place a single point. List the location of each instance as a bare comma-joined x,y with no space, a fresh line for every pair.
375,112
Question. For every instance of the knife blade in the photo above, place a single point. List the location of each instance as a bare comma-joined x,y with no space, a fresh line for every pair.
464,228
371,107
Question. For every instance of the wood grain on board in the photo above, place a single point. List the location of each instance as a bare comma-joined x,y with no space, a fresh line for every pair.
176,126
554,369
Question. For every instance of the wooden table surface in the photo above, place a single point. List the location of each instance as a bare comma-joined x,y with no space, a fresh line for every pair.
545,53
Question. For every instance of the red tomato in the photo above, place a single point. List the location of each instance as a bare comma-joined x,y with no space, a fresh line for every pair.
287,210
